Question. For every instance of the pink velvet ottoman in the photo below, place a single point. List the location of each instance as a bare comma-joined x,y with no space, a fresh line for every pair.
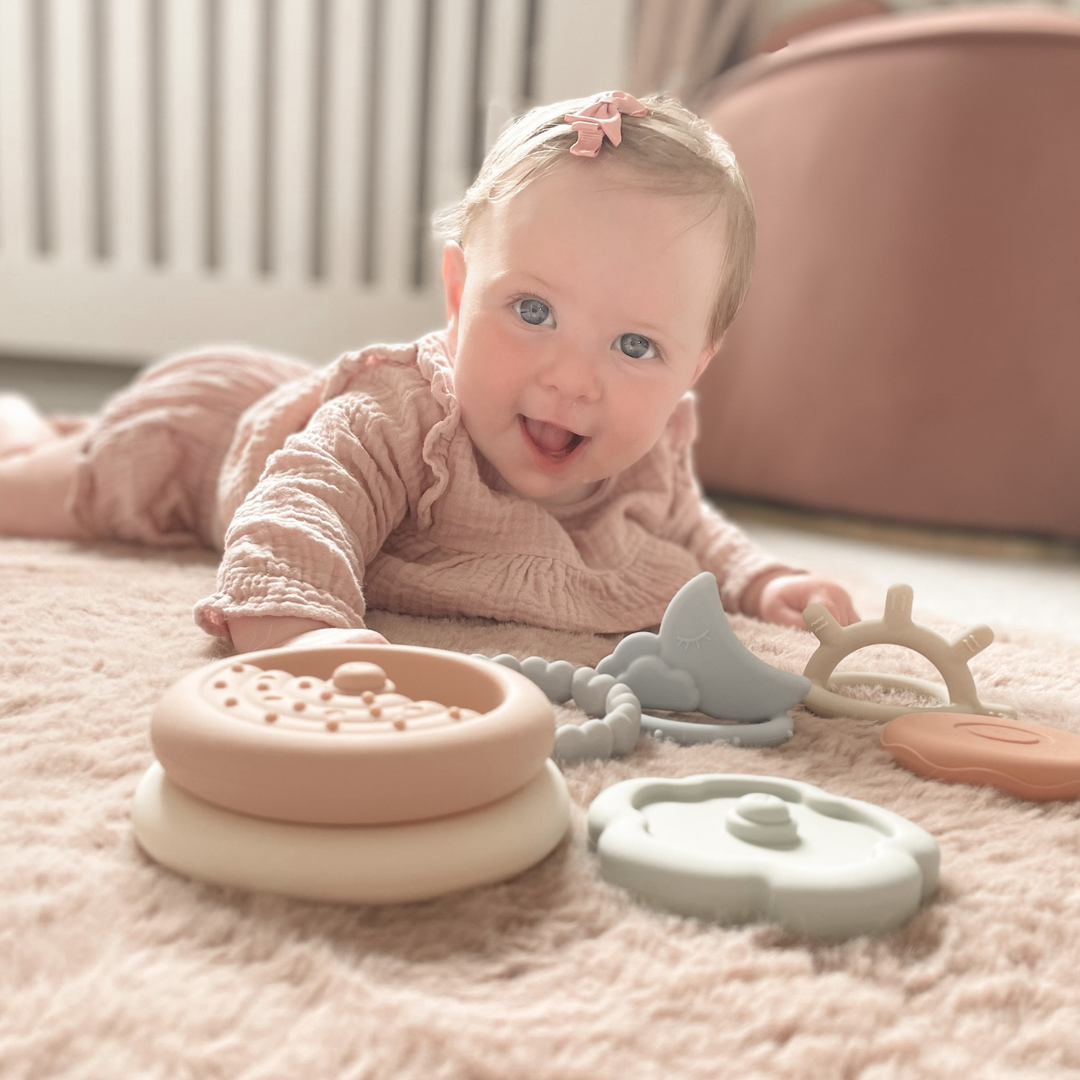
910,348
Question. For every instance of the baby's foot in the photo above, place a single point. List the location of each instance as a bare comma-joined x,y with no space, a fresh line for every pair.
22,427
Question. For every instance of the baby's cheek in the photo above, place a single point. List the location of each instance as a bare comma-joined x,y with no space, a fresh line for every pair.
489,374
474,387
639,420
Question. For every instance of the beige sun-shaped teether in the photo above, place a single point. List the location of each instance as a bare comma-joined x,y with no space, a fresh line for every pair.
894,628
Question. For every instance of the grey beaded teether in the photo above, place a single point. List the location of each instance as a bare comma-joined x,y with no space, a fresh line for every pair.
614,707
695,664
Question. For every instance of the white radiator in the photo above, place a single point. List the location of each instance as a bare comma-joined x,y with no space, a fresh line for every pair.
174,172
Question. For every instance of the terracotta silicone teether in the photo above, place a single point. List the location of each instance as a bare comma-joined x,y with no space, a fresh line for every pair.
1023,758
353,735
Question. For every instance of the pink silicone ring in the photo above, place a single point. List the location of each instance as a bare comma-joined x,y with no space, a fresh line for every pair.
271,734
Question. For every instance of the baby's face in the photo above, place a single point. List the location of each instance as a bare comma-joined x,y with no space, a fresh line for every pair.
578,314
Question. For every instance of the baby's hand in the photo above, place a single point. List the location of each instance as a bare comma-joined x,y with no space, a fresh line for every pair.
332,635
783,599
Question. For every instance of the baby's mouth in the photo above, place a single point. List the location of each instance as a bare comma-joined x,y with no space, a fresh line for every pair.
551,440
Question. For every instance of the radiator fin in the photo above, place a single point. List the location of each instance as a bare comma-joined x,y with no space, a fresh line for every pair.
216,161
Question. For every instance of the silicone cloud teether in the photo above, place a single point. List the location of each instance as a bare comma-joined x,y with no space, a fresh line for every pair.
748,848
697,664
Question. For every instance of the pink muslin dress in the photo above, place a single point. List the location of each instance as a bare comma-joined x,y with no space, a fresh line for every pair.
357,486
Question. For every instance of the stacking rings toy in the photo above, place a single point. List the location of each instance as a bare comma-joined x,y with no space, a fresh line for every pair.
365,774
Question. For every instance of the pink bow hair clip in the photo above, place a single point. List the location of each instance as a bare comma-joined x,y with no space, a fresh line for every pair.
603,116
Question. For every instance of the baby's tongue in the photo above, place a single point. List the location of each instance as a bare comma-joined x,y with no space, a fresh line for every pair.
549,437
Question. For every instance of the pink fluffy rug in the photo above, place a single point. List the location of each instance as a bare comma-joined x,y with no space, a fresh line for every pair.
111,967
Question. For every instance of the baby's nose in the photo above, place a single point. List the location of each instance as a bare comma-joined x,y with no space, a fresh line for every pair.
573,374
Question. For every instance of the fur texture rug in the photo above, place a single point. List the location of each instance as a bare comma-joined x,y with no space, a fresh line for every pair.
111,966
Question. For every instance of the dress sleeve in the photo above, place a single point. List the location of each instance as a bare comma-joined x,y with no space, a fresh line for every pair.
299,543
719,546
726,551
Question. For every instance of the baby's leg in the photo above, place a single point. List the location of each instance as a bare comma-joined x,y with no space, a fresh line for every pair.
35,487
22,427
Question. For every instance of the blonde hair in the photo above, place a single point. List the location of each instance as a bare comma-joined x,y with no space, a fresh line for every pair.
671,150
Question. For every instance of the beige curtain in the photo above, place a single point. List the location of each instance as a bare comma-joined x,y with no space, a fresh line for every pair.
681,45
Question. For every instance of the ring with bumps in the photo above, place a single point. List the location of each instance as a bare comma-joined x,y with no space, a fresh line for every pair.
331,737
369,774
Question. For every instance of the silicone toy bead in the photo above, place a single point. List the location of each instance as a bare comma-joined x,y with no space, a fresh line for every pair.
740,849
554,679
591,690
894,628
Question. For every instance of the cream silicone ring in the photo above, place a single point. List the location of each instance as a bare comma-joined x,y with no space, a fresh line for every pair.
363,864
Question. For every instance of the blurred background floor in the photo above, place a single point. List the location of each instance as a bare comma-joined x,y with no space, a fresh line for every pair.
65,386
1005,581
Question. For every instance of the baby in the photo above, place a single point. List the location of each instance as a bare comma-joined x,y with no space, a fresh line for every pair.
531,462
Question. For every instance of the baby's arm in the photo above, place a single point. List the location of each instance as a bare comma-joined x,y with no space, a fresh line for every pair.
297,548
750,581
756,585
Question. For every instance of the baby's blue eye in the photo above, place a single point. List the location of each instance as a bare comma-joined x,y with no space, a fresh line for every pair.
637,347
533,311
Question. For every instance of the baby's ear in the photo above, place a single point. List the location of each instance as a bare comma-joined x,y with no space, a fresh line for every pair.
453,275
703,362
